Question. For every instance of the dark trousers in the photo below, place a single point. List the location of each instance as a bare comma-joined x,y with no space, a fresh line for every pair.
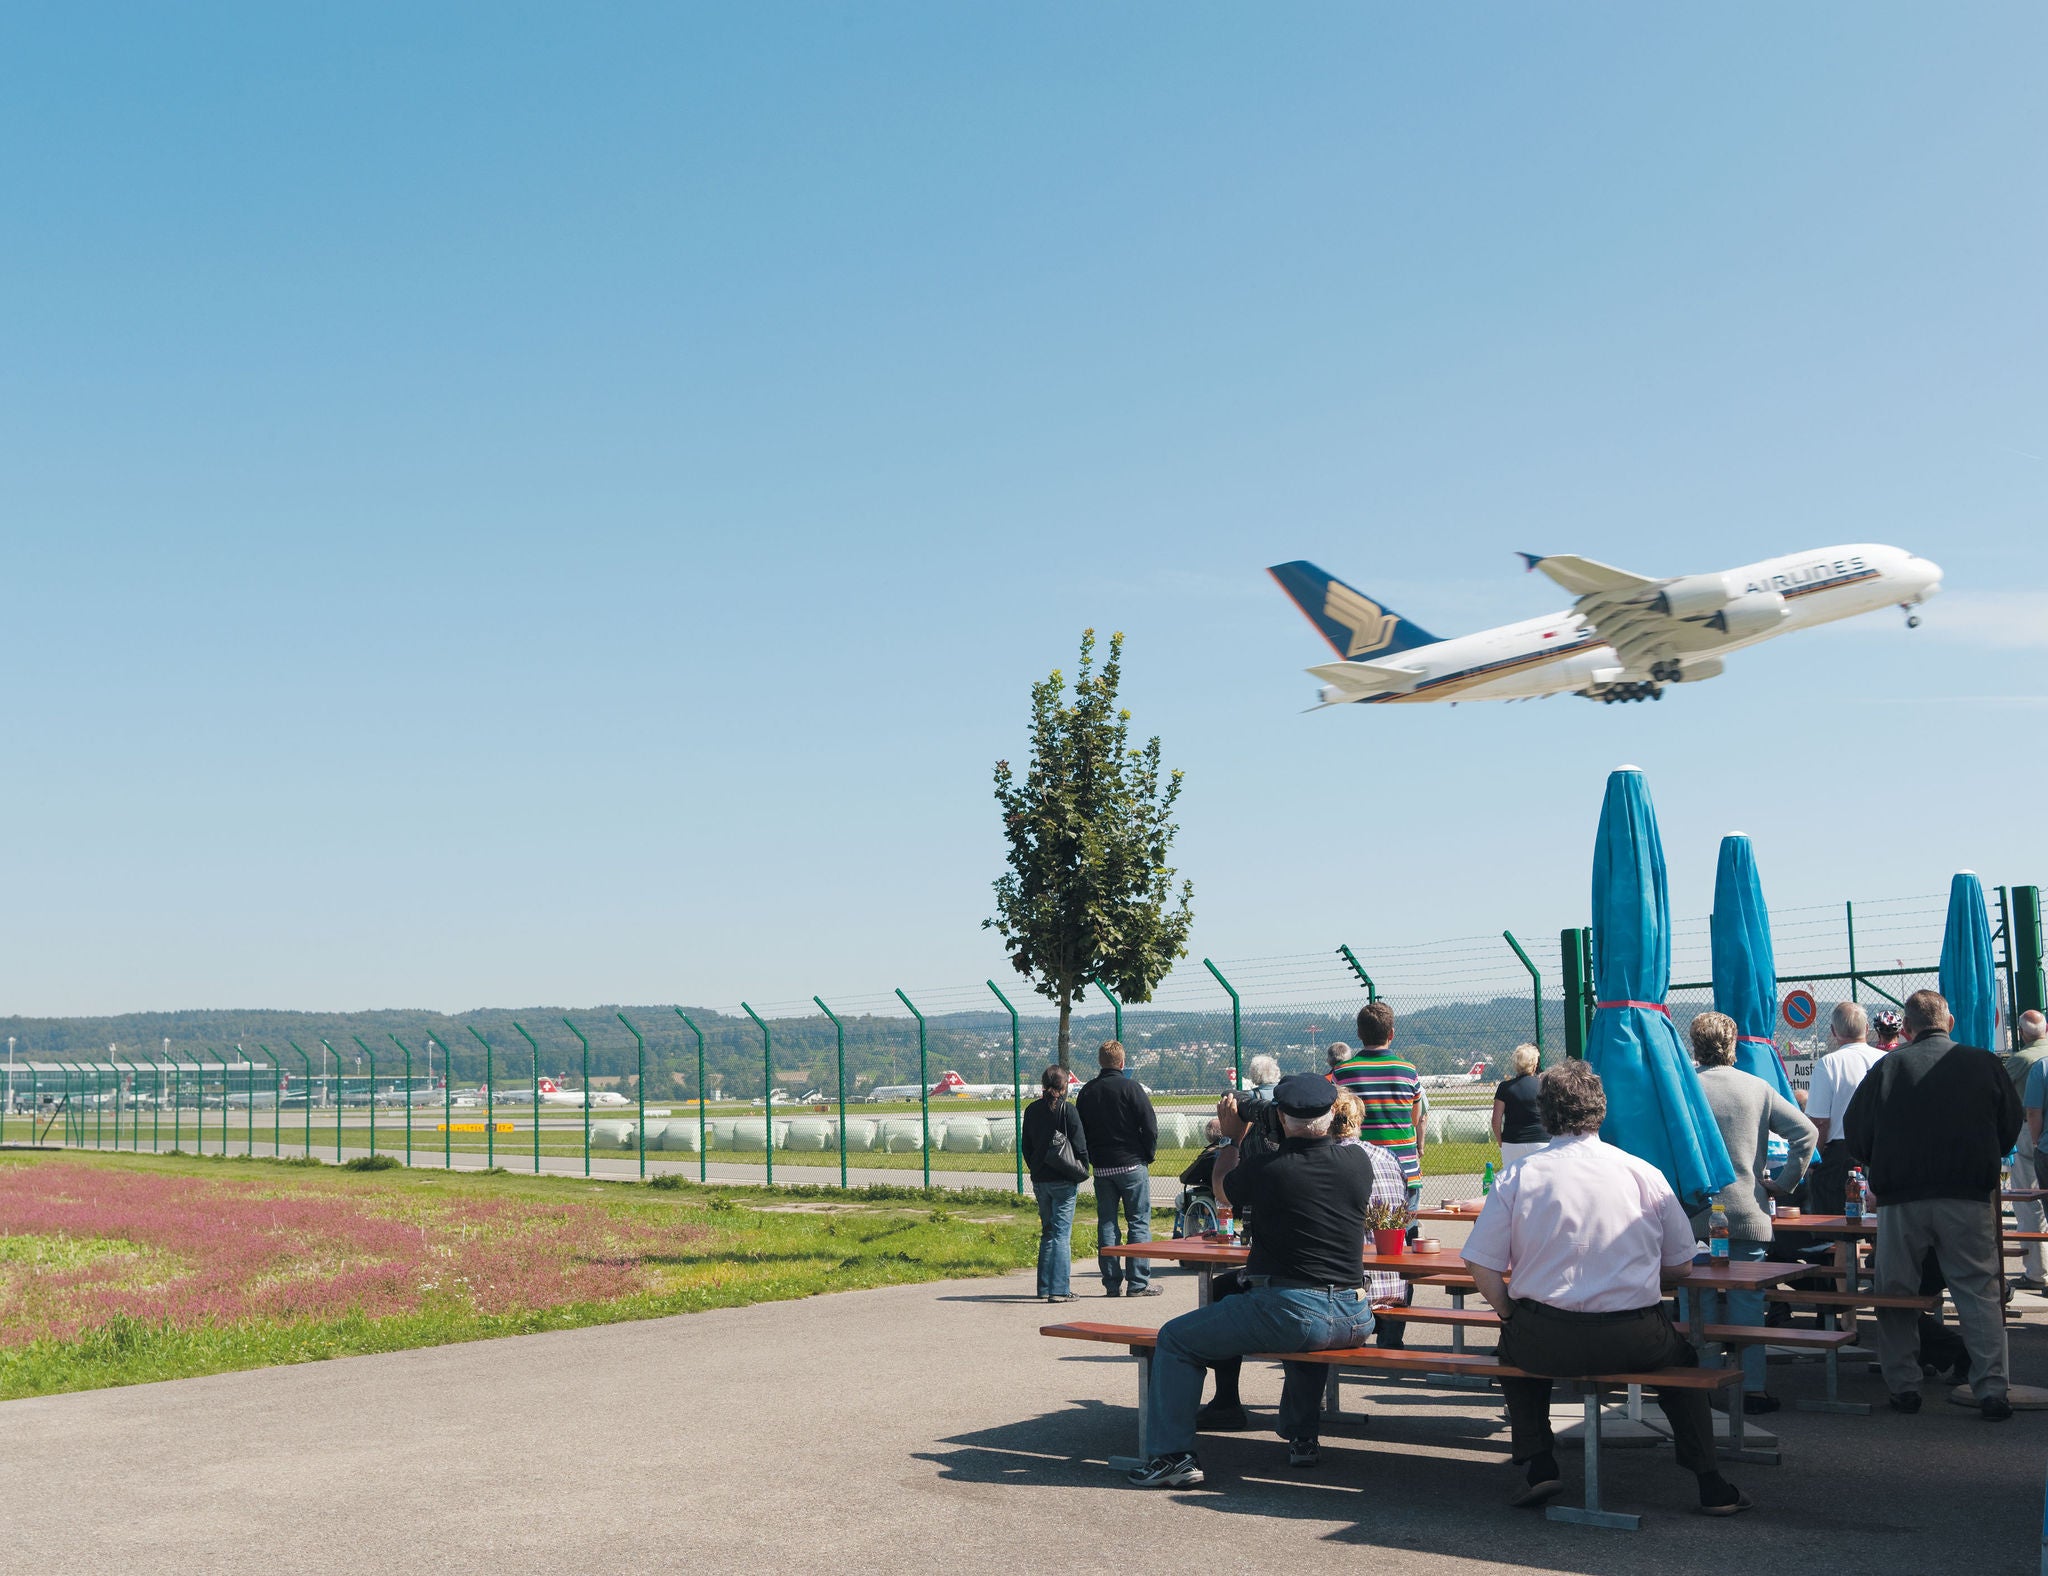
1827,1183
1548,1340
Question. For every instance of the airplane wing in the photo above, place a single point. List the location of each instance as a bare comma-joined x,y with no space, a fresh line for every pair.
1368,678
1618,605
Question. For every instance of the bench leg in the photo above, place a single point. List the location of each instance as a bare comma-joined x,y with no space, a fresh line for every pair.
1737,1449
1144,1455
1457,1330
1834,1401
1590,1514
1333,1394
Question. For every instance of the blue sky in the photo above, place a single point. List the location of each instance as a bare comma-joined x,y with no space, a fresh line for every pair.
518,504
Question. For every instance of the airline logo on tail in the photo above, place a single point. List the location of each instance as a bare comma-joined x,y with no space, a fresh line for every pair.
1372,627
549,1086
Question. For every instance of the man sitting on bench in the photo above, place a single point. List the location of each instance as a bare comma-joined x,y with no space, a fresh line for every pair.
1307,1200
1592,1236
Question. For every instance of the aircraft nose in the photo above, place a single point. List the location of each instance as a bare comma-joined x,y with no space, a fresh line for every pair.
1928,573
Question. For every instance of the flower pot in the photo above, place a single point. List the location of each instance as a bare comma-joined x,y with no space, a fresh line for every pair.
1389,1241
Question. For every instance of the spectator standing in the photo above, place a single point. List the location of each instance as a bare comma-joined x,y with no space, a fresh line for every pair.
2023,1066
1055,1186
1747,1111
1933,1121
1346,1117
1304,1280
1885,1028
1517,1119
1123,1136
1389,1092
1592,1236
1337,1055
1836,1077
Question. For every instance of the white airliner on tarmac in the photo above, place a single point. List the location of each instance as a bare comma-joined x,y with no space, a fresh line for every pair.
950,1085
1472,1075
1625,638
553,1094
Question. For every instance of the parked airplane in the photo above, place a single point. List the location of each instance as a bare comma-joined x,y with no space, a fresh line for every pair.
1624,639
1474,1074
553,1094
950,1084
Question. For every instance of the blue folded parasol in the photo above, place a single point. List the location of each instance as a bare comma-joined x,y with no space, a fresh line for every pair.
1655,1108
1968,977
1745,971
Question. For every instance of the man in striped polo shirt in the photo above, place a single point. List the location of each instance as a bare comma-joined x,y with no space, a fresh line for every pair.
1390,1089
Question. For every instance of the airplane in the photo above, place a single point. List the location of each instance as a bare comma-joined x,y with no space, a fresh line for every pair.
1476,1073
1625,638
950,1084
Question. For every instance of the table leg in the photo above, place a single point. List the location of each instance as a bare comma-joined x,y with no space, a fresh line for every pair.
1203,1273
1590,1514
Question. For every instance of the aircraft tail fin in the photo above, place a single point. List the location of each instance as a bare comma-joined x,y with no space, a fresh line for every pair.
1353,624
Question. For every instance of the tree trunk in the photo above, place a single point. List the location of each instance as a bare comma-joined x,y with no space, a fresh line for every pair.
1066,1028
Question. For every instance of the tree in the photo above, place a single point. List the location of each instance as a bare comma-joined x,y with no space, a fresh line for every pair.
1089,894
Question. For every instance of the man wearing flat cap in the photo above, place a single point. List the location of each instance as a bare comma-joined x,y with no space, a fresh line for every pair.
1307,1200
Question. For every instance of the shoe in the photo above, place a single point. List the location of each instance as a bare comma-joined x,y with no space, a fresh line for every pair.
1144,1291
1995,1409
1222,1417
1906,1401
2029,1283
1181,1471
1753,1405
1734,1505
1543,1483
1063,1297
1112,1291
1304,1454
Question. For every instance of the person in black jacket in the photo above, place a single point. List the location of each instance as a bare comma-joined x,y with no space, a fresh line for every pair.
1123,1136
1933,1121
1055,1188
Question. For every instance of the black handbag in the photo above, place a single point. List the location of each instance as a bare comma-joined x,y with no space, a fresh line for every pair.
1060,1158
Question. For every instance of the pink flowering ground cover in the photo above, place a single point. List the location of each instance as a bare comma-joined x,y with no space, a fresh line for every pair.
116,1270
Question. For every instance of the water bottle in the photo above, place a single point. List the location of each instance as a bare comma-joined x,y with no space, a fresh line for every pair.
1486,1180
1717,1233
1852,1195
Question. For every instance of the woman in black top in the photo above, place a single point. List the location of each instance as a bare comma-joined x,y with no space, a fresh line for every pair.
1517,1125
1052,1112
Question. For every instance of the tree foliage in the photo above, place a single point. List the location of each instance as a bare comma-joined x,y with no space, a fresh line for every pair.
1089,894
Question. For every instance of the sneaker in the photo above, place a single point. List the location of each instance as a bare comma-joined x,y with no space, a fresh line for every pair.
1304,1453
1181,1471
1143,1291
2030,1283
1112,1291
1543,1483
1222,1417
1065,1296
1994,1409
1906,1401
1727,1500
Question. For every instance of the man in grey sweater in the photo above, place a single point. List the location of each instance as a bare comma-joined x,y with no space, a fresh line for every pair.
1747,1111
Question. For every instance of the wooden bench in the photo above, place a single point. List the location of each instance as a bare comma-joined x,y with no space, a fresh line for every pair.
1140,1342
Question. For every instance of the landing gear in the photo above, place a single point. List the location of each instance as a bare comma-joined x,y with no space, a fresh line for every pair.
1666,672
1608,694
1912,618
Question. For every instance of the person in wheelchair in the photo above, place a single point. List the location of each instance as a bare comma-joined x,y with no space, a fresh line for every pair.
1194,1211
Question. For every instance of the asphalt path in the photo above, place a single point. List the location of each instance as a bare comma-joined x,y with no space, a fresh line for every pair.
925,1428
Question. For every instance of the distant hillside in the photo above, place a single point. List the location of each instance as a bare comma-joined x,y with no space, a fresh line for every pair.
1174,1050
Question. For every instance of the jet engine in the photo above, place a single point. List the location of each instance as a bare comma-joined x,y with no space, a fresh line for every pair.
1693,669
1758,613
1693,596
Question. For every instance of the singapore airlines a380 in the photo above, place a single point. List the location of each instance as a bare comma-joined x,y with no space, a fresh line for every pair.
1625,638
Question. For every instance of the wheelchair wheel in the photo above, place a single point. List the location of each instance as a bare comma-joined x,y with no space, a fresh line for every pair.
1199,1218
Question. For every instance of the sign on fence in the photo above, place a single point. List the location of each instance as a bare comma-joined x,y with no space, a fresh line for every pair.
472,1127
1800,1009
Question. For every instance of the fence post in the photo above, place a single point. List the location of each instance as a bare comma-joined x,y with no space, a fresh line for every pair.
1372,991
2012,988
373,1091
1016,1087
1849,922
2031,992
224,1112
294,1044
586,1094
340,1089
767,1092
490,1100
177,1101
249,1088
447,1096
1535,987
529,1039
639,1086
1116,1005
117,1096
924,1085
395,1040
276,1100
1236,1026
839,1034
703,1160
1571,944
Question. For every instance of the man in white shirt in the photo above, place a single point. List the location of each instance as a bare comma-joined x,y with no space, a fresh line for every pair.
1835,1080
1592,1237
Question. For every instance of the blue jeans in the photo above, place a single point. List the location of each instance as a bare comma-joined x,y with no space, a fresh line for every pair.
1264,1319
1743,1307
1132,1191
1055,1236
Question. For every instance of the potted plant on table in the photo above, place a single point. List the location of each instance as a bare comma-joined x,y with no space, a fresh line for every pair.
1389,1225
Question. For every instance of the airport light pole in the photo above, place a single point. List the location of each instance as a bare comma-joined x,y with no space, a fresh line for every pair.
534,1046
703,1161
490,1101
586,1093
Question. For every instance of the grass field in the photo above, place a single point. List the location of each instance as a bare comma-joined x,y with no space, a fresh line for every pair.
120,1270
